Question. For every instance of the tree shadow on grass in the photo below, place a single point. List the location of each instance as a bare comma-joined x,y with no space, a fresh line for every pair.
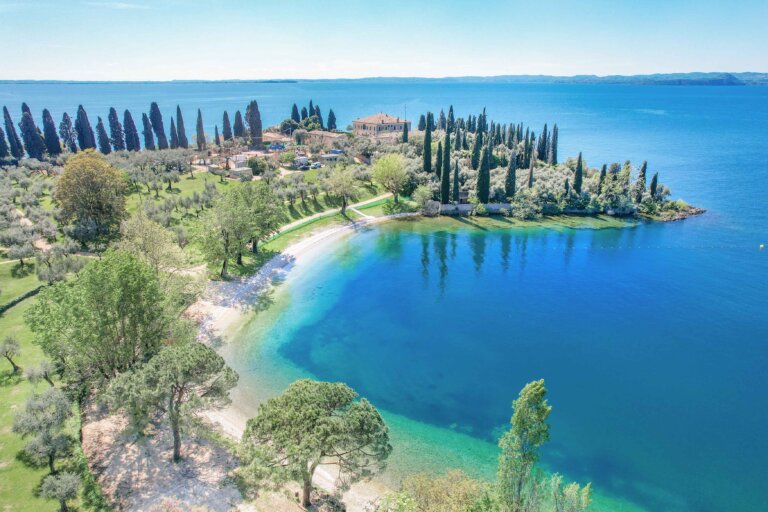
18,271
8,378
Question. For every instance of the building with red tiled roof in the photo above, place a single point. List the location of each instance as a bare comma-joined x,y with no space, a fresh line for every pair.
379,125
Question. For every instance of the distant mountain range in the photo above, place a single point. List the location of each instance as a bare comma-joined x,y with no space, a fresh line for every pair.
747,78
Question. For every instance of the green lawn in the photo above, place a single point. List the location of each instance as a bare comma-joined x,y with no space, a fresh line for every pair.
15,281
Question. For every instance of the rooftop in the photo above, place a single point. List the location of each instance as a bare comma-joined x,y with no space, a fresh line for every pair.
380,118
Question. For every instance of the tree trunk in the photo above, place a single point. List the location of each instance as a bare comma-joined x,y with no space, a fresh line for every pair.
63,506
343,205
223,272
240,258
173,414
16,367
305,501
394,194
51,467
48,380
255,246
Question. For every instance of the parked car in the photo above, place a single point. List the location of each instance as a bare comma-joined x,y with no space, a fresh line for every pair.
304,168
316,165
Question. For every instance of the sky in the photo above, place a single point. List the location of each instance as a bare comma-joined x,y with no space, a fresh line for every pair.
242,39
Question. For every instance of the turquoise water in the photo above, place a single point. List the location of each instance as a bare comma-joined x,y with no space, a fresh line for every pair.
652,339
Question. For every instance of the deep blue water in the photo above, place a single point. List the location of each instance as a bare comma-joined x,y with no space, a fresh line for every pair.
652,340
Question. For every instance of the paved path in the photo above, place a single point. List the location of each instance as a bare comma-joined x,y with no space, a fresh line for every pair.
352,207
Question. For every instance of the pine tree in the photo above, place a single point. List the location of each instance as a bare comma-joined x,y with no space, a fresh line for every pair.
102,137
331,120
445,176
14,142
484,176
85,137
67,133
157,126
52,142
427,154
640,183
238,128
296,117
530,172
654,185
422,123
405,131
476,149
216,138
319,116
439,159
510,180
226,127
451,122
577,180
116,134
456,184
304,113
601,181
149,139
253,118
132,141
552,149
174,135
201,145
181,132
32,141
5,151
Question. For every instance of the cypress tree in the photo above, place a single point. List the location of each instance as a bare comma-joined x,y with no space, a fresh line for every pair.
451,121
32,141
238,128
132,141
149,139
319,116
476,149
226,128
174,135
456,184
311,109
422,123
445,176
427,165
439,159
510,180
102,137
156,119
5,152
640,184
552,149
216,138
253,118
654,184
567,187
25,109
67,133
579,175
331,120
296,117
464,143
201,145
441,122
52,142
405,131
457,138
116,133
304,113
601,181
85,137
484,177
181,132
530,173
14,142
541,150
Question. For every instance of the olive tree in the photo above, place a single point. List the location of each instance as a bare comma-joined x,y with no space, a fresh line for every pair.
342,184
310,424
9,349
62,488
389,172
43,421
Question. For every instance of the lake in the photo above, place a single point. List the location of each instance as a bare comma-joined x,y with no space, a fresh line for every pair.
652,338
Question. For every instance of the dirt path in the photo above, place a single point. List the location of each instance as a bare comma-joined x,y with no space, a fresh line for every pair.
333,211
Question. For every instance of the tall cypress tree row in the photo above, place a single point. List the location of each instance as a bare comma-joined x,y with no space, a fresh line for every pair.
445,176
476,149
85,137
552,149
157,125
238,128
132,141
52,142
304,113
640,183
201,145
216,138
14,142
319,116
441,121
541,150
31,136
297,117
149,139
439,159
451,122
181,132
116,133
427,154
253,118
25,108
5,151
226,127
102,137
484,176
174,136
456,184
510,180
654,185
67,133
331,120
577,180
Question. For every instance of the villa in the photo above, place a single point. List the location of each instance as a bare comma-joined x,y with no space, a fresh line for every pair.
380,125
324,138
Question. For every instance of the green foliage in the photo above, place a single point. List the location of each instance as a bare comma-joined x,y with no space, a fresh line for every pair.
484,176
579,177
341,183
85,137
103,139
389,171
253,118
427,153
62,487
32,141
181,132
310,424
200,132
157,126
43,421
10,350
116,133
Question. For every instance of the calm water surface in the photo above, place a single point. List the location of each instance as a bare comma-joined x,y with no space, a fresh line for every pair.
652,339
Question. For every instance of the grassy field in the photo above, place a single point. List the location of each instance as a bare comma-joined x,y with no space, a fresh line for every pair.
15,281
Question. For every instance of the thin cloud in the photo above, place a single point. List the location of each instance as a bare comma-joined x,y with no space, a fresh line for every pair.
121,6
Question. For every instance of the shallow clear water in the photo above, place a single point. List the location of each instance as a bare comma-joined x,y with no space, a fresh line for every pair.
652,339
